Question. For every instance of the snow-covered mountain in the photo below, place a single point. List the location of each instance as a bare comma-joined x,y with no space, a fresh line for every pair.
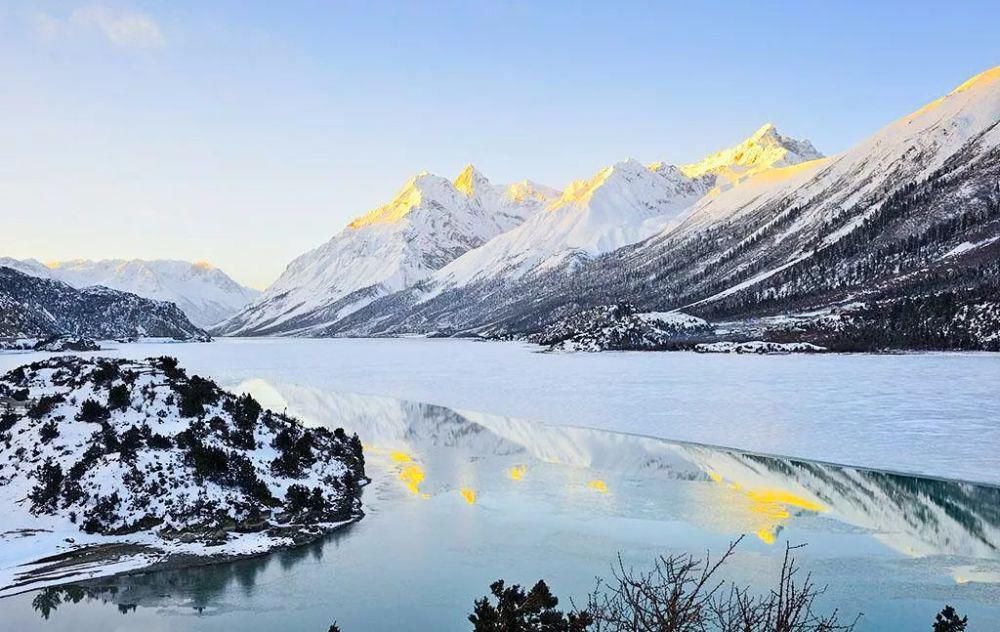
620,205
204,293
763,150
896,237
429,223
439,235
33,307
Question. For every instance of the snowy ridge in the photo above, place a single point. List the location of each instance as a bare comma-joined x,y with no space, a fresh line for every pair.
204,293
907,150
880,223
33,307
764,149
621,204
442,235
429,223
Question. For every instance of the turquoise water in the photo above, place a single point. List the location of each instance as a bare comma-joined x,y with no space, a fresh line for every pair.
459,499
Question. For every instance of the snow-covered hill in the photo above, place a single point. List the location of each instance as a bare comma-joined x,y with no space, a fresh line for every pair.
429,223
621,328
204,293
105,459
33,307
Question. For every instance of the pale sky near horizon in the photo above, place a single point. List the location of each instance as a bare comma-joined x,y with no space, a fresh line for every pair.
245,133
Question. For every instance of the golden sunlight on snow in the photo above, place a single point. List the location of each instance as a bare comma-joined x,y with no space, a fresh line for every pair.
465,182
404,202
579,192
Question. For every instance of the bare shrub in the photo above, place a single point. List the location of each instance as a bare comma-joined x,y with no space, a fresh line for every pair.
681,593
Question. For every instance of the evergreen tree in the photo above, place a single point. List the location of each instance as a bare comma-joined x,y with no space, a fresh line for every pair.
520,611
948,621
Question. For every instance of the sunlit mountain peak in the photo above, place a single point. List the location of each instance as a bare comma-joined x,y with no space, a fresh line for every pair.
580,192
764,149
470,181
417,189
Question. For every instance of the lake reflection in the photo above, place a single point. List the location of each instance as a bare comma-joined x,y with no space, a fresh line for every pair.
460,498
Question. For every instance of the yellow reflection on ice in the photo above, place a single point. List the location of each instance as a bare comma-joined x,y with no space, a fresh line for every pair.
412,476
598,486
767,535
771,506
517,472
468,494
780,496
400,457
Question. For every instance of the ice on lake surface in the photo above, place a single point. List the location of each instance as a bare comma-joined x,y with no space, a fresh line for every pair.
935,414
462,498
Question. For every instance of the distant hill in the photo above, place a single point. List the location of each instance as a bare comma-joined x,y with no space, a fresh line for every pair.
34,307
206,294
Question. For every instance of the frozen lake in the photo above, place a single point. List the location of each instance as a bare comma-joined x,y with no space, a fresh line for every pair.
934,414
460,499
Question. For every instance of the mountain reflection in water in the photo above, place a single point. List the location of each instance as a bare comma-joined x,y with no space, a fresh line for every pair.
546,478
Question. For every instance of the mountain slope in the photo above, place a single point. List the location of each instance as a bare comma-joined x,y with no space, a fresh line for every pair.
429,223
34,307
204,293
621,204
912,213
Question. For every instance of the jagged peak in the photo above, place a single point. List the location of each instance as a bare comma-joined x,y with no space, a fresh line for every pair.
767,130
423,185
470,180
764,149
580,192
525,190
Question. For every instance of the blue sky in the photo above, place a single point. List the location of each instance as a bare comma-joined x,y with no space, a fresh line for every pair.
245,133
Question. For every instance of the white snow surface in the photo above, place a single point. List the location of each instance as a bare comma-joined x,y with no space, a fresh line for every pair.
203,292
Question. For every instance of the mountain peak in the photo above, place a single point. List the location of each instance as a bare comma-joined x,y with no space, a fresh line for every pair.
470,180
765,130
764,149
423,185
527,190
